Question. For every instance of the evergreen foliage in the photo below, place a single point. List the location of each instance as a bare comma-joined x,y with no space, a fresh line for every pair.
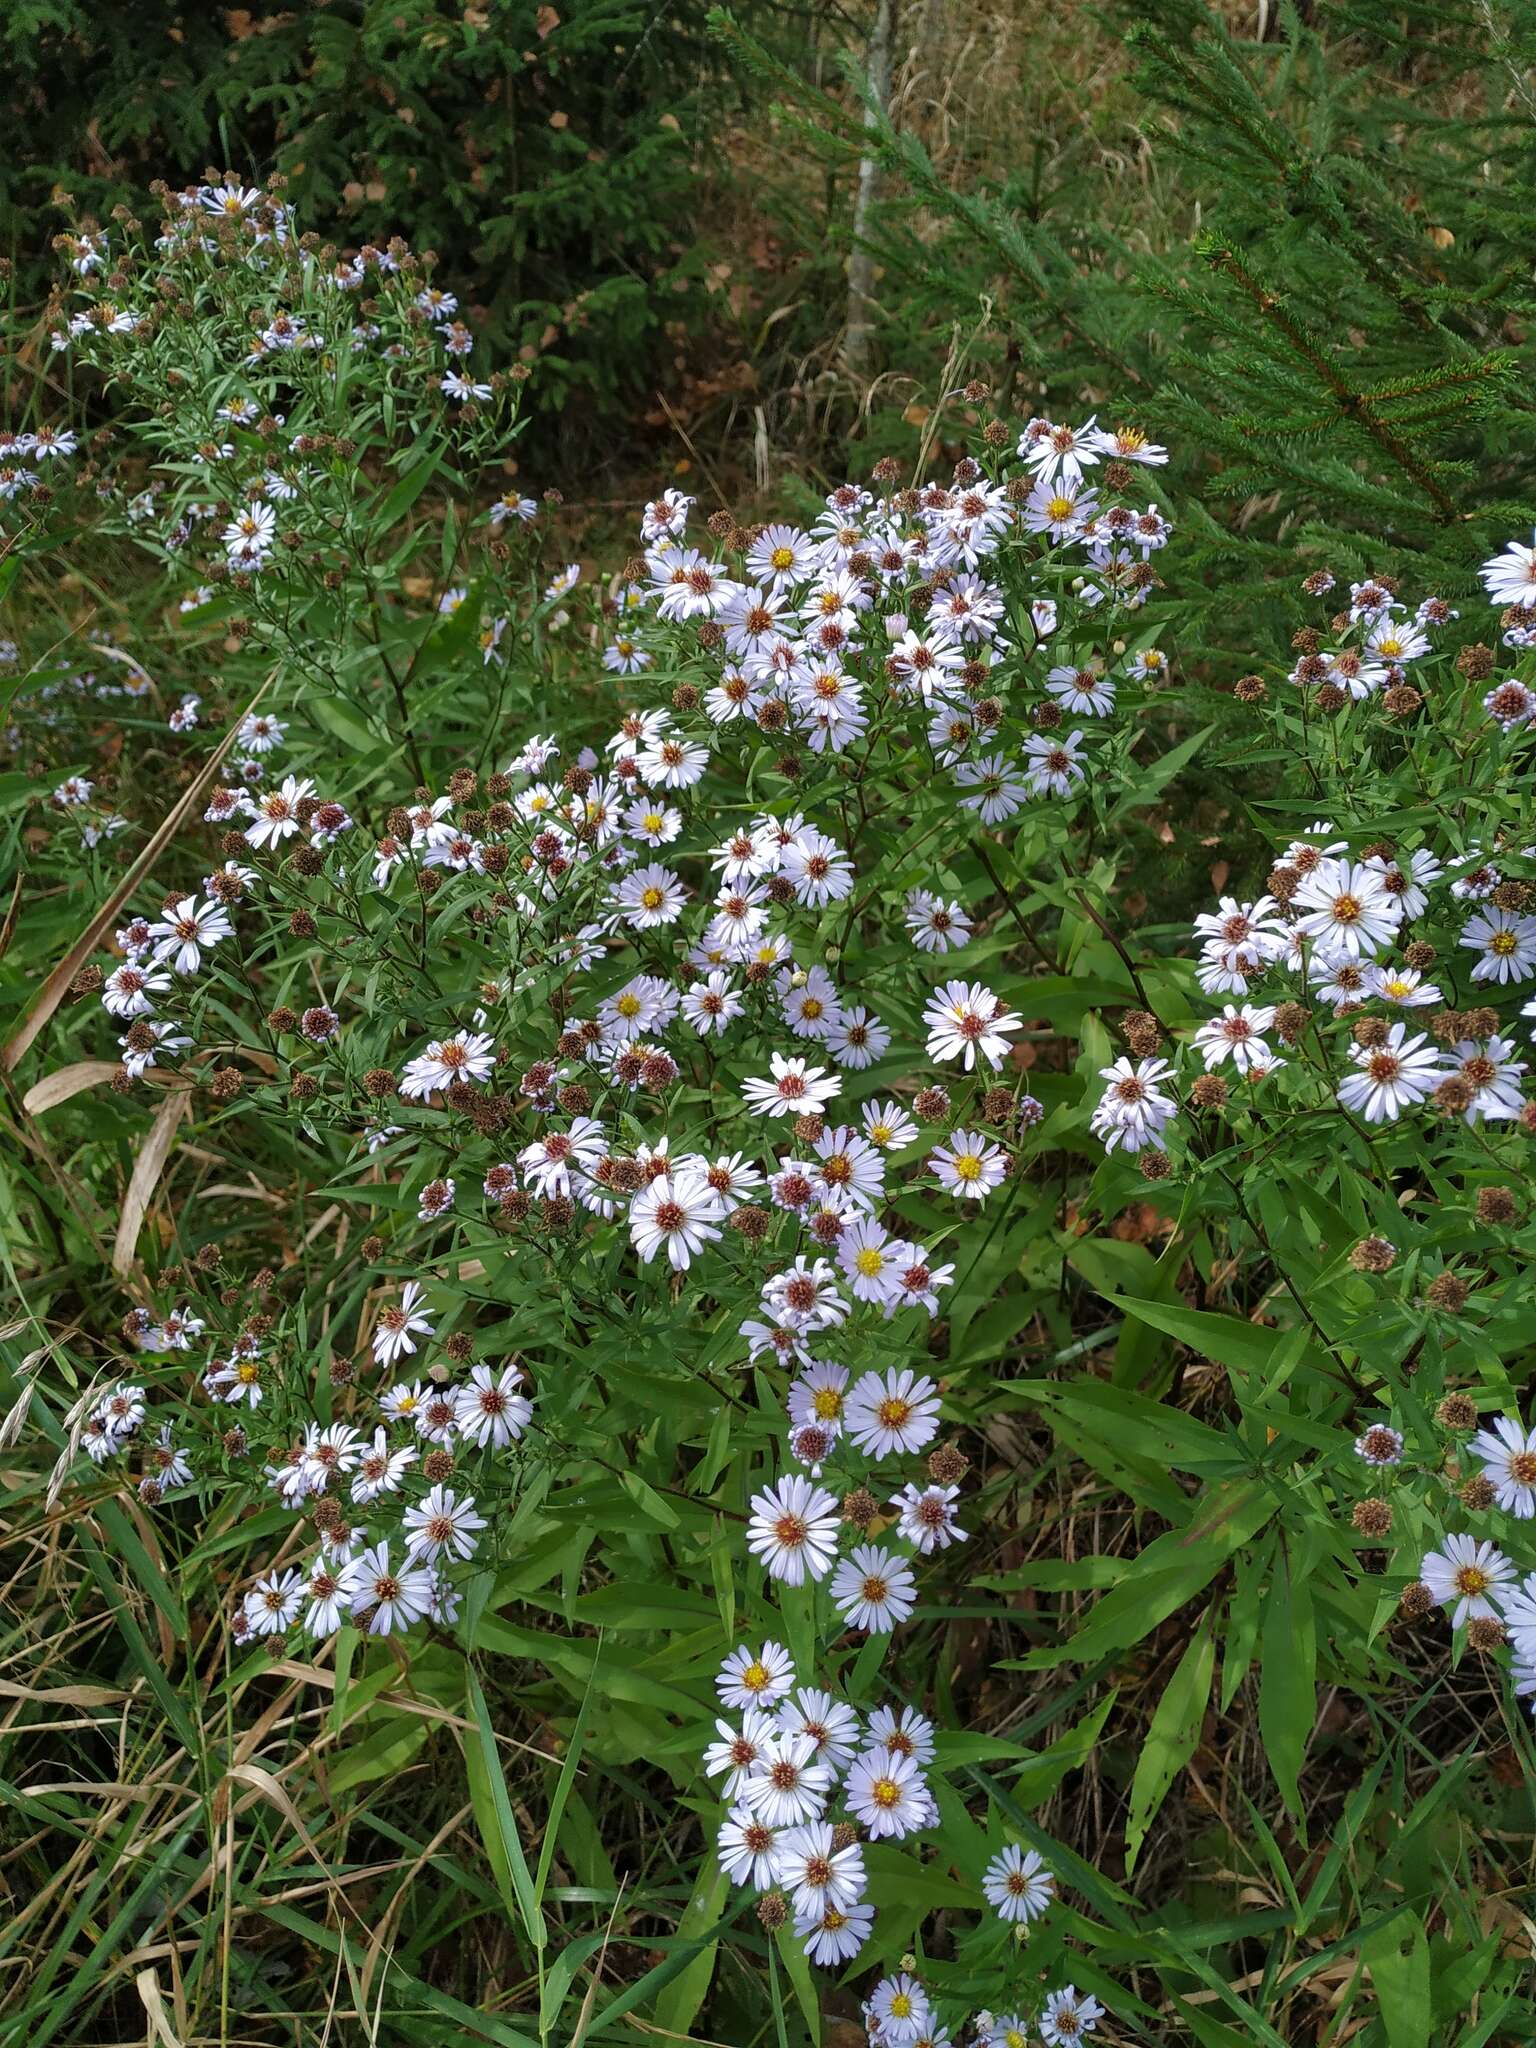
1337,314
551,155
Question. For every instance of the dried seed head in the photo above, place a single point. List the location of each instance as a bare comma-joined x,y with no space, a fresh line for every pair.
1476,663
1496,1205
1372,1517
1448,1291
860,1507
948,1465
1373,1255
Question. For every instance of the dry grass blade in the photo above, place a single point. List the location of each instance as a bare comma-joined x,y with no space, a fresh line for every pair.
147,1984
55,987
64,1082
147,1170
584,2017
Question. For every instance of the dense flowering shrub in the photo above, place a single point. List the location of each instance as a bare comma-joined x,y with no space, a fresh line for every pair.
637,980
629,1012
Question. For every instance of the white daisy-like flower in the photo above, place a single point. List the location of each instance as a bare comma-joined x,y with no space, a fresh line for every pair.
1508,1455
679,1211
1346,910
793,1089
1085,692
888,1126
1510,578
399,1325
815,1873
871,1259
1236,1035
1403,986
887,1795
442,1524
1468,1576
390,1596
892,1413
964,1019
873,1589
491,1409
856,1038
900,2010
970,1166
272,1605
756,1678
793,1530
903,1730
789,1783
1392,1076
1018,1884
1505,945
1053,765
831,1724
650,896
467,1056
748,1849
129,990
736,1750
927,1517
936,926
380,1470
836,1934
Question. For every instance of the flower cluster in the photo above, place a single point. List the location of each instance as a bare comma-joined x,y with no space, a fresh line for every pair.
793,1758
1370,930
624,1002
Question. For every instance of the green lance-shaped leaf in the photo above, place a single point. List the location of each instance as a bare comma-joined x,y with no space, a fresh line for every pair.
1172,1737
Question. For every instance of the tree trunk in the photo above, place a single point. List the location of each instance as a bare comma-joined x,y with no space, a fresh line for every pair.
859,339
